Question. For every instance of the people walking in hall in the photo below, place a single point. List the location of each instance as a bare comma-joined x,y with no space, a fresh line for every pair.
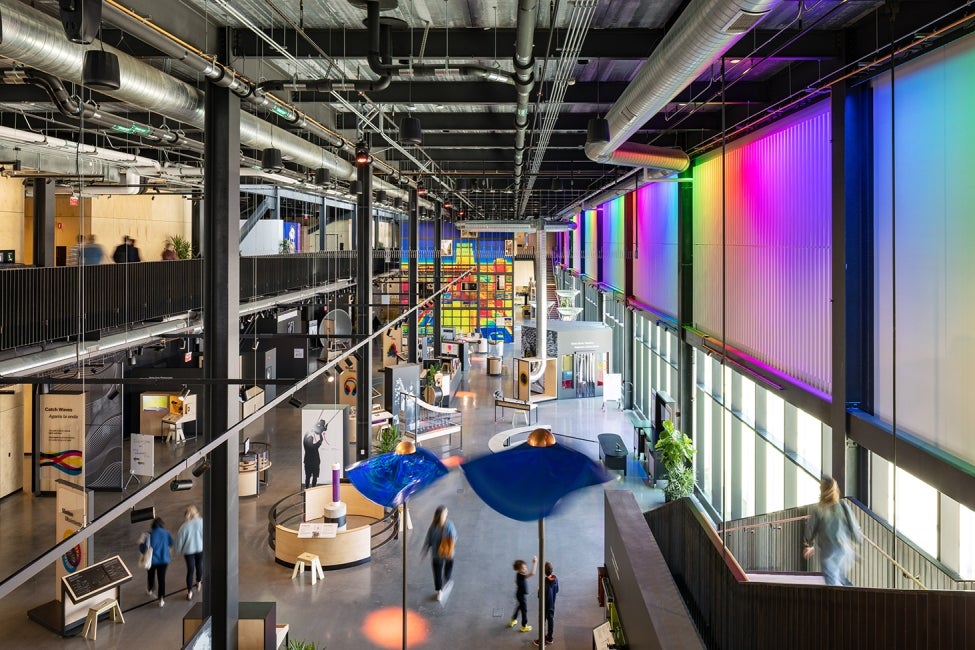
121,253
160,540
521,592
551,591
442,538
189,544
92,252
75,252
134,255
313,461
832,527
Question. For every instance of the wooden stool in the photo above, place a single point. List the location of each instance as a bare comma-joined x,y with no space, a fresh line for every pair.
91,623
175,434
313,561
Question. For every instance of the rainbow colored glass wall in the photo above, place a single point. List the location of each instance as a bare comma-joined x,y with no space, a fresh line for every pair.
613,248
762,266
655,252
589,226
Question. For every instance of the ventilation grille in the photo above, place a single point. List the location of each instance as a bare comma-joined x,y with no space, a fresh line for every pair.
743,21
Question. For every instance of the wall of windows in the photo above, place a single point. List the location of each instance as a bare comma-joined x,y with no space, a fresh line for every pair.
655,357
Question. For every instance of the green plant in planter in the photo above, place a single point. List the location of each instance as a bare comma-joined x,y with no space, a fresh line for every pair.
388,439
676,452
294,644
181,245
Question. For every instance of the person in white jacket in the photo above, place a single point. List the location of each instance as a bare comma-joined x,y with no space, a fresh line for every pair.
189,543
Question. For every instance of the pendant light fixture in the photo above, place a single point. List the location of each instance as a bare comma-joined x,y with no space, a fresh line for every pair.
271,161
323,176
597,131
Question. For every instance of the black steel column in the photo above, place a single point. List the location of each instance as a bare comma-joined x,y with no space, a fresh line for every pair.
43,221
685,297
363,312
413,278
221,315
837,420
437,279
196,225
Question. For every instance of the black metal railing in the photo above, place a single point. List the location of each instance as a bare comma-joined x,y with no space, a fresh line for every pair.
733,613
48,304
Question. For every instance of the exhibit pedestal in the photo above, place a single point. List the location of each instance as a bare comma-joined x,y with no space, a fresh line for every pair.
334,513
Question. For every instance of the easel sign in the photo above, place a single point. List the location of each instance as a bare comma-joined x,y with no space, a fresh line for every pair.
141,454
613,389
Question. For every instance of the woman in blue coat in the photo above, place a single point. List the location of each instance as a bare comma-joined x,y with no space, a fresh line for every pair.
160,540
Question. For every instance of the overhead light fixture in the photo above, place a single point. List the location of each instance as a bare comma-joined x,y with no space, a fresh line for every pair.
463,184
271,161
100,71
410,131
112,393
323,176
354,187
295,402
381,196
138,515
597,131
183,393
362,156
201,468
421,189
398,203
181,484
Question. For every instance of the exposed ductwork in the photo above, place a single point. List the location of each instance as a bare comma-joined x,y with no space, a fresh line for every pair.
704,30
37,40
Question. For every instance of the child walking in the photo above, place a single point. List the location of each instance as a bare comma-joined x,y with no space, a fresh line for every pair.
551,591
521,592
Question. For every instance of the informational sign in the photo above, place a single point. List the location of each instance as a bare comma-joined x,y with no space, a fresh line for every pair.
62,446
141,455
613,388
311,531
71,501
97,578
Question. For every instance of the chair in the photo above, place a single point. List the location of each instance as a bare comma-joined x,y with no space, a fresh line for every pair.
312,560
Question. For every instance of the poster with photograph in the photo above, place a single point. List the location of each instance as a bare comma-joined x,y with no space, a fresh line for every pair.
322,441
446,248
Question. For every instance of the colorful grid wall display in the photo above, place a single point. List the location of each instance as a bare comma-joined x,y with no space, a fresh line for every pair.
655,252
924,238
774,300
577,234
613,247
484,301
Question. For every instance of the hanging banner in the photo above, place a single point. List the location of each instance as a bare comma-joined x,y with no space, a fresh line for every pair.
62,439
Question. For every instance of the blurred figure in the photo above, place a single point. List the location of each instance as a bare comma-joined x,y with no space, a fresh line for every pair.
189,544
521,592
169,253
551,591
92,252
121,253
74,253
133,253
832,527
441,537
160,540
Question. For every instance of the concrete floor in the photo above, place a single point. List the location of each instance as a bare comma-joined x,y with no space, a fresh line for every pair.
335,611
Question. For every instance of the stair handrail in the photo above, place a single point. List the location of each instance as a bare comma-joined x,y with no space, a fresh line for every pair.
904,572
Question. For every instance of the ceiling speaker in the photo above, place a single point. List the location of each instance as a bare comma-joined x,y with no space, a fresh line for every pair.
100,70
81,19
597,131
271,160
410,131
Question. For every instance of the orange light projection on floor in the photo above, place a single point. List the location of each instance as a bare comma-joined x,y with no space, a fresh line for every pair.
384,627
452,461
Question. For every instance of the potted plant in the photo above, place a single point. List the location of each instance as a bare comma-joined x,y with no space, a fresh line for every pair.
387,439
295,644
676,452
181,245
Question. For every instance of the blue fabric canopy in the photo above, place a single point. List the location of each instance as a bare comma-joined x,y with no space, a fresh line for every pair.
525,483
390,479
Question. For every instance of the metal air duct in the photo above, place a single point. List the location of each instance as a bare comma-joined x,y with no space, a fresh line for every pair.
704,30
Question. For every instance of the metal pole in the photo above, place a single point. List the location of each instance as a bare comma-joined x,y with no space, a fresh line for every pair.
541,576
403,527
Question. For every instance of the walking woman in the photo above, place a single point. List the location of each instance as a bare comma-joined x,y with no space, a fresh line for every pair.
160,540
832,527
189,544
441,537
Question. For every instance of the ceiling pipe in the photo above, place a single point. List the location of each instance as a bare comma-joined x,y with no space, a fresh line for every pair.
73,107
219,74
524,62
704,31
37,40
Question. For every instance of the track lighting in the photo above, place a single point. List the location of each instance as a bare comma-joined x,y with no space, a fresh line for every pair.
112,393
295,402
181,484
183,393
142,514
201,468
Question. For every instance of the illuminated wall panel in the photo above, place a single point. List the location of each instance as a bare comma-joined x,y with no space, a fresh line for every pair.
612,250
774,302
590,243
655,258
923,183
576,257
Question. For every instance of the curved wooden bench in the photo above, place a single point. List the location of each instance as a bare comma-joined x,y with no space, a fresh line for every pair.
348,548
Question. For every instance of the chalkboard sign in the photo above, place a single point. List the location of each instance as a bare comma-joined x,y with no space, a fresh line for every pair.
96,578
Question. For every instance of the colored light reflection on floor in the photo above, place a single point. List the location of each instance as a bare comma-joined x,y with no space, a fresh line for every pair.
452,461
464,394
384,627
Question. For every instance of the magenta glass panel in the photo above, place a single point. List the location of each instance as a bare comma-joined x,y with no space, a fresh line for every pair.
612,249
655,259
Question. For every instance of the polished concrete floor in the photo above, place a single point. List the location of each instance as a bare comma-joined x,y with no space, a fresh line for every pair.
336,612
